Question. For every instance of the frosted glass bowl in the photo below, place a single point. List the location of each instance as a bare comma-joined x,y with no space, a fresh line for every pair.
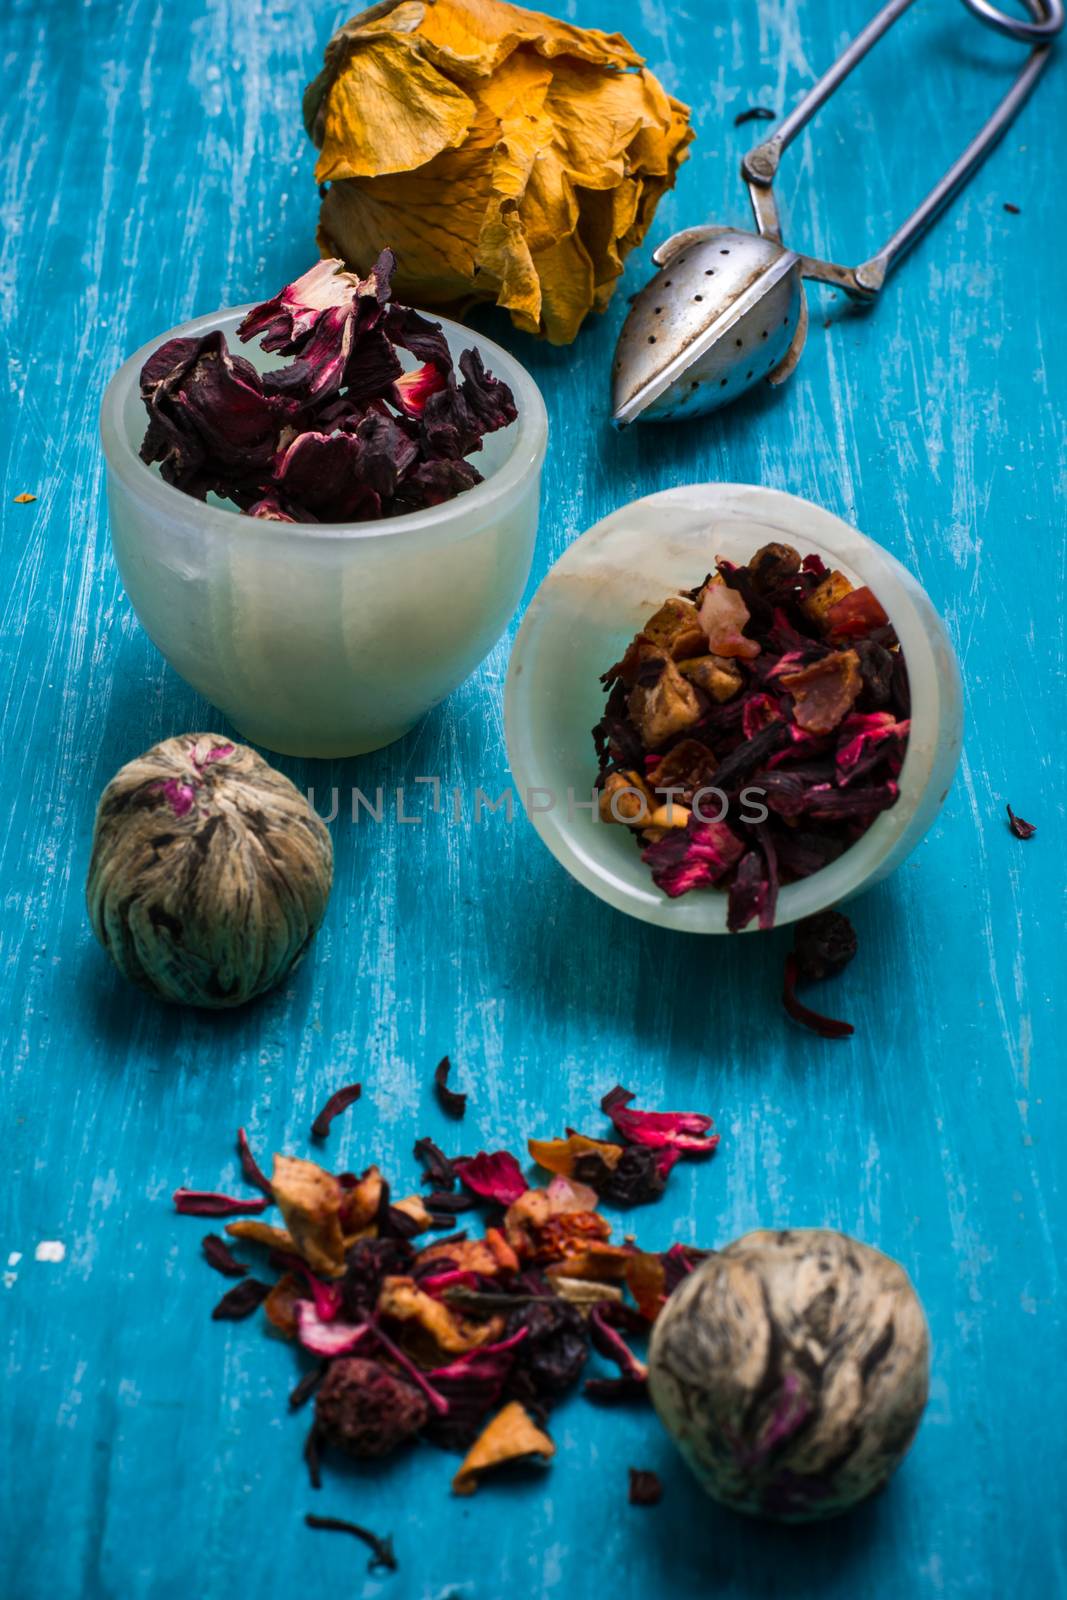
598,595
324,639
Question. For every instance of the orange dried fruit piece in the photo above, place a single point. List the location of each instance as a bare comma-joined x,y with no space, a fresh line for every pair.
309,1199
437,1332
560,1155
511,1436
263,1233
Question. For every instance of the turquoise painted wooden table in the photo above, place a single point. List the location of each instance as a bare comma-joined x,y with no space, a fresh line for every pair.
154,166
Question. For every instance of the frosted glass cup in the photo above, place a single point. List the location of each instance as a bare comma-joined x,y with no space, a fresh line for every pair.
324,639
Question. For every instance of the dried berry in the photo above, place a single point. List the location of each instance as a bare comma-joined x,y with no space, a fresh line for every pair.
368,1263
823,944
550,1359
645,1487
366,1410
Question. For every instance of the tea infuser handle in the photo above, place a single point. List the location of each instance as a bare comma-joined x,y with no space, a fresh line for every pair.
1040,31
871,275
760,165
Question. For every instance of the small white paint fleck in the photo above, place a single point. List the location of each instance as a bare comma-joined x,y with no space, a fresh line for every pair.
50,1250
14,1258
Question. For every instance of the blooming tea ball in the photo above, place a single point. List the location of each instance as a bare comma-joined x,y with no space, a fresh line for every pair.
210,872
792,1370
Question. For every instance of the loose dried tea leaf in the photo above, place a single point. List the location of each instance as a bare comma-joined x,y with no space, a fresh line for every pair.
828,1027
754,114
451,1101
206,1203
1021,829
251,1168
645,1487
511,1436
495,1176
240,1301
24,499
382,1553
220,1257
339,1101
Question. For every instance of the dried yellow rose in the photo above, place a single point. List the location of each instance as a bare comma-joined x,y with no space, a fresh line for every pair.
503,155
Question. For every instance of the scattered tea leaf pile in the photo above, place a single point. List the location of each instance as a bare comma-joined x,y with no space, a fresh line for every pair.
466,1341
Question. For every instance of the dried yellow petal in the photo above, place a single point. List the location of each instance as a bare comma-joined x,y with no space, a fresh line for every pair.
502,154
511,1436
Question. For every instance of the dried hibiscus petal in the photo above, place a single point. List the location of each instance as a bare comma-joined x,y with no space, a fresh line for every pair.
451,1101
672,1131
206,1203
218,1255
240,1301
251,1168
495,1176
828,1027
339,1101
1020,828
691,857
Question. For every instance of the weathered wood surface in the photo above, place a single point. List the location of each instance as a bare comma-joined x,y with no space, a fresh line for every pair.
153,166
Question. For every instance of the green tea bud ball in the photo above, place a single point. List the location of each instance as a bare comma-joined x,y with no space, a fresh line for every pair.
792,1370
210,872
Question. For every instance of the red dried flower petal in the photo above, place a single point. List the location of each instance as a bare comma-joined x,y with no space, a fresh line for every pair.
1020,828
207,1203
660,1130
240,1301
495,1176
339,1101
692,857
218,1254
827,1027
251,1168
451,1101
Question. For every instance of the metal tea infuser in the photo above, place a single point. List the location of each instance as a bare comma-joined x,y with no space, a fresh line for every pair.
727,309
